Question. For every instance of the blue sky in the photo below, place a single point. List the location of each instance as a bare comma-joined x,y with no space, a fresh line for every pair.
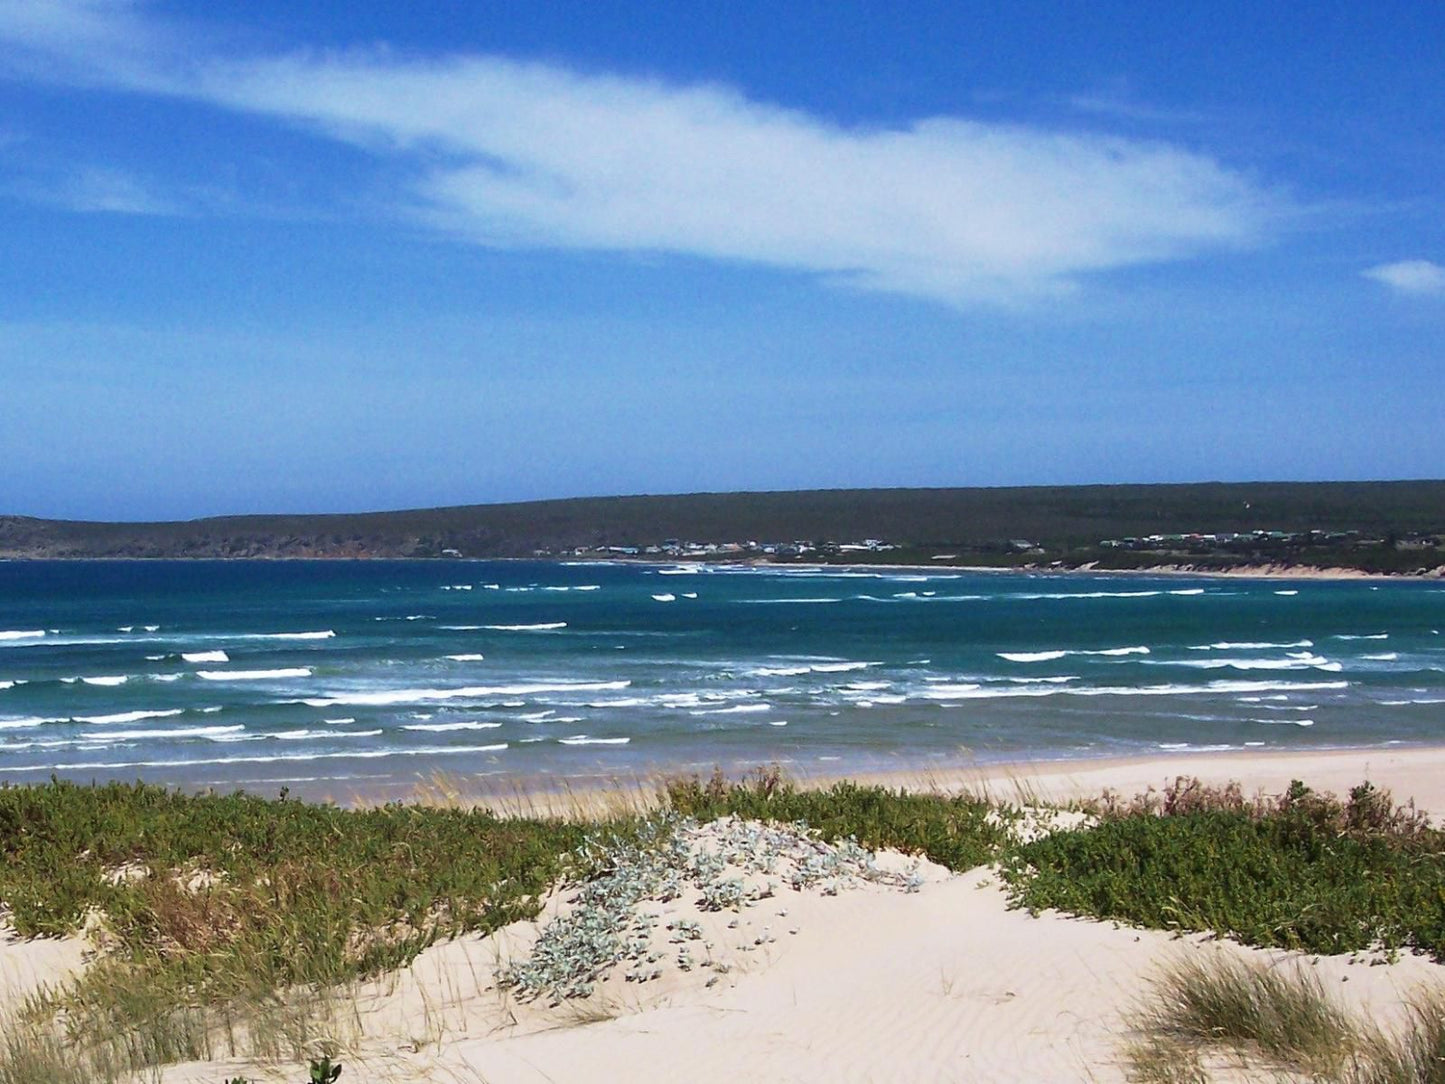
339,256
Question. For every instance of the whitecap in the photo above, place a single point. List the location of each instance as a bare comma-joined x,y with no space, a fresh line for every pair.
664,598
470,724
106,681
466,658
254,675
205,656
325,634
127,716
21,634
173,732
1031,656
1250,645
583,739
418,696
542,626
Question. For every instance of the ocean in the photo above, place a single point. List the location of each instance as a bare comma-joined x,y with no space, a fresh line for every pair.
340,679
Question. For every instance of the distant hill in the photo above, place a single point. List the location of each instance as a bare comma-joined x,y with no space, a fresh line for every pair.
1058,520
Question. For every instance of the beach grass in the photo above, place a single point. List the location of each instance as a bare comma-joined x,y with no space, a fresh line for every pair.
1274,1019
229,921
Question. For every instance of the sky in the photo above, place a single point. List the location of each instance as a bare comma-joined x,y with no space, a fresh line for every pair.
260,256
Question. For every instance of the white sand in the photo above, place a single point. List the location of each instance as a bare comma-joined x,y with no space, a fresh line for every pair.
877,984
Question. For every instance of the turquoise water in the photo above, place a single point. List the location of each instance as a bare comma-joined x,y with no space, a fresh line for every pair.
334,678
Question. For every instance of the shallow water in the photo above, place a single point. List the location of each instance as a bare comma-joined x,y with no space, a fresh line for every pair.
340,677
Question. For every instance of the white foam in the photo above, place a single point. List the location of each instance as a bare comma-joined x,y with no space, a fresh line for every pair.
420,696
839,667
1050,656
542,626
466,658
1250,645
457,587
254,675
1188,591
1284,722
25,723
1371,636
106,681
325,634
470,724
777,722
583,739
164,677
1302,662
1286,592
339,722
1062,595
664,598
11,684
22,634
205,656
975,692
173,732
127,717
1385,656
736,709
689,594
306,735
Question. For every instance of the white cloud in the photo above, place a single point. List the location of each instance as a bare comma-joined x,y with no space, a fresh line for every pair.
1410,276
516,154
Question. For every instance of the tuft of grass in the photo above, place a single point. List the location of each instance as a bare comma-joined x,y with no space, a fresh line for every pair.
1415,1056
1273,1015
1274,1018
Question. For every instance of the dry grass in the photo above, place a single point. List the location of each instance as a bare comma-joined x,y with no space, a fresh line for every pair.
1274,1020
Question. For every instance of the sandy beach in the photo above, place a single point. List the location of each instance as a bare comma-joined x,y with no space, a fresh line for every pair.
872,983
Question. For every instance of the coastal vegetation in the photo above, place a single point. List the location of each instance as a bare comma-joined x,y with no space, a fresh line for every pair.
232,924
1391,527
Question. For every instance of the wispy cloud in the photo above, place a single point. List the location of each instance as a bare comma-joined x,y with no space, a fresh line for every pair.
112,191
1418,277
516,154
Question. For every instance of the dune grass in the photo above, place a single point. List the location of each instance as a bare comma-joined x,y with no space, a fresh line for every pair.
230,921
1275,1020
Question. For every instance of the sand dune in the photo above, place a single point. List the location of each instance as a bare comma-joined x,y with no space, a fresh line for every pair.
875,983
